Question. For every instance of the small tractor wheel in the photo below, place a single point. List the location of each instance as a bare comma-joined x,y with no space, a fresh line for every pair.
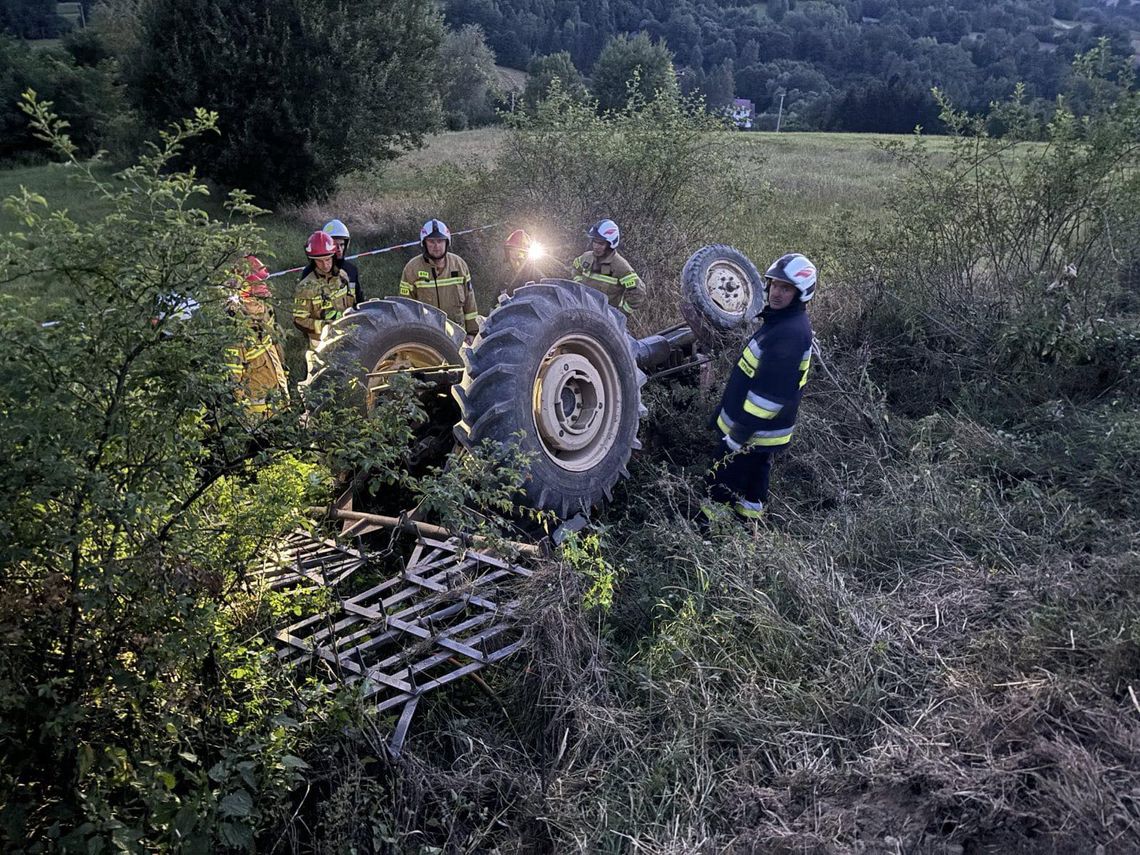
555,365
380,335
723,286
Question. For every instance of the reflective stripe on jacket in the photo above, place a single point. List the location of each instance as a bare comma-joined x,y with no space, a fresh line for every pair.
614,277
450,290
319,300
762,397
256,360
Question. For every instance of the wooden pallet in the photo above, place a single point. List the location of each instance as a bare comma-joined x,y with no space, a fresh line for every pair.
447,614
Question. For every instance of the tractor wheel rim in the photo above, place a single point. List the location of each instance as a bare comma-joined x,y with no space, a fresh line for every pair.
728,287
401,358
409,355
577,403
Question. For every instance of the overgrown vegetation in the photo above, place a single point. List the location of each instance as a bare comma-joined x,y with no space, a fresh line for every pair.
656,167
931,644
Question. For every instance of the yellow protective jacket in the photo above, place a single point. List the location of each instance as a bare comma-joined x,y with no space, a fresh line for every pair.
450,290
320,300
256,361
614,277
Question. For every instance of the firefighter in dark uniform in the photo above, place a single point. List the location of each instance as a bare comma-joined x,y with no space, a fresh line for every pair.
757,413
440,278
603,268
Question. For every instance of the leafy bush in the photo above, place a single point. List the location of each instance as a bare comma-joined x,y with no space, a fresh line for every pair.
1011,254
659,169
138,707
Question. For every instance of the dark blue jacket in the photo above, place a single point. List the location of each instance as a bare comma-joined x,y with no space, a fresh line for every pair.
762,396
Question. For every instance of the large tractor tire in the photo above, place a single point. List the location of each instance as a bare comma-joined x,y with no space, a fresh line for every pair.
555,365
380,335
723,286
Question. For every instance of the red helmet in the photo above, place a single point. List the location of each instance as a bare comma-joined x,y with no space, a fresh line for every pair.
255,277
518,239
258,272
320,244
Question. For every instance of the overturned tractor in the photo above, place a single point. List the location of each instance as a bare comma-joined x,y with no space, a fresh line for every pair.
553,365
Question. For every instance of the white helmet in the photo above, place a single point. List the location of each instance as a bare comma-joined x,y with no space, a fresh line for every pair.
435,229
606,230
337,229
795,269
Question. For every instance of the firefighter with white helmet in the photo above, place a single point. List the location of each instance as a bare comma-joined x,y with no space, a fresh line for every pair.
338,231
441,278
603,268
757,413
324,292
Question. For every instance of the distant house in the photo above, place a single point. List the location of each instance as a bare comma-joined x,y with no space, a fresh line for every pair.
743,113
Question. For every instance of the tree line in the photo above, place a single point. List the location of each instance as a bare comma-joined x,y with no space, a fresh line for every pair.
305,91
859,65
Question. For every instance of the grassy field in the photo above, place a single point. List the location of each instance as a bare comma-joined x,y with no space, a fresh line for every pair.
814,174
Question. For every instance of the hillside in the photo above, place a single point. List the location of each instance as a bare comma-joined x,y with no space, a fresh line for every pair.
863,65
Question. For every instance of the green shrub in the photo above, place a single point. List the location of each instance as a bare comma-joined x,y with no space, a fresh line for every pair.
658,169
139,707
1003,274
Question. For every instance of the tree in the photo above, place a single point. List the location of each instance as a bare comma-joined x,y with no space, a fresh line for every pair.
302,95
719,86
81,83
544,70
467,81
637,62
31,19
777,9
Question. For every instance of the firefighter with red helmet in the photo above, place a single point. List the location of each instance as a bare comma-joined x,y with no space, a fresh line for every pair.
440,278
522,255
338,231
323,293
603,268
257,360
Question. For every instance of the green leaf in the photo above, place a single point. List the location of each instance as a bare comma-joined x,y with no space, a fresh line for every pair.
237,804
235,835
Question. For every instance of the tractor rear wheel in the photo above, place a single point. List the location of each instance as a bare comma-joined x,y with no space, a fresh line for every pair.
723,286
555,365
391,334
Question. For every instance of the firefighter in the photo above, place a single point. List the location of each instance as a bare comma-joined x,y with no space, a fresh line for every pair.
440,278
757,413
522,255
324,293
338,231
603,268
257,362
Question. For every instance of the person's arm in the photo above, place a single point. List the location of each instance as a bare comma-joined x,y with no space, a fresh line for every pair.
775,379
580,270
407,286
470,310
304,313
633,296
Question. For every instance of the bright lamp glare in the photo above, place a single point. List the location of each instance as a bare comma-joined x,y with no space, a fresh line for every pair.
536,251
